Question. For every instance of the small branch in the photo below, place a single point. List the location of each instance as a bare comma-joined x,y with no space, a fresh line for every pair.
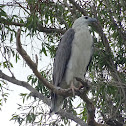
39,27
6,22
78,7
8,66
36,59
21,6
73,117
50,30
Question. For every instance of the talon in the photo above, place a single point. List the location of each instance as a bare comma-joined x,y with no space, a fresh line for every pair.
73,88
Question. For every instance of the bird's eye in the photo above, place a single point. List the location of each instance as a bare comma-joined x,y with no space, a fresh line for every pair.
86,17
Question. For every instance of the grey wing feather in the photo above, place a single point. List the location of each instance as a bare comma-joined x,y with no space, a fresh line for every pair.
59,67
62,56
92,51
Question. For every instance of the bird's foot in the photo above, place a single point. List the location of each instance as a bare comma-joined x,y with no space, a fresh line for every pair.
73,88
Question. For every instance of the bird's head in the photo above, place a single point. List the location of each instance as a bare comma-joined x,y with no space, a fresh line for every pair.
84,20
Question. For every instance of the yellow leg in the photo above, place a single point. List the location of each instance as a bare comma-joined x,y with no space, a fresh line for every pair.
73,88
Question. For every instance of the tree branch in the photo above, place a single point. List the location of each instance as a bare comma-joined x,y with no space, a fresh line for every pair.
72,117
25,85
29,62
6,22
50,30
35,93
89,104
40,28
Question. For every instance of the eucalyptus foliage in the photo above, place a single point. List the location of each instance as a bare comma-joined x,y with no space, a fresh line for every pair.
44,22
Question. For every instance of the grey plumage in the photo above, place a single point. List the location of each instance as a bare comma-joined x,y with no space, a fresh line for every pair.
60,65
62,56
72,58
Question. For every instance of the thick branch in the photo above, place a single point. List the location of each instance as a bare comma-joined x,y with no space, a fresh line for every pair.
90,109
89,104
25,85
30,63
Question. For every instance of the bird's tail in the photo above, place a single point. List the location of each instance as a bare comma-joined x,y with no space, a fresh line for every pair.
56,102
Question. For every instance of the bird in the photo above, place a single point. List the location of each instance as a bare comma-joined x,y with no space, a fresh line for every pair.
72,59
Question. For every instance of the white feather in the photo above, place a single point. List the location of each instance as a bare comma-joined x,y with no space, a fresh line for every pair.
81,53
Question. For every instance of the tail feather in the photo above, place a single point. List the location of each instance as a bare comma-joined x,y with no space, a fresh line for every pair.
56,102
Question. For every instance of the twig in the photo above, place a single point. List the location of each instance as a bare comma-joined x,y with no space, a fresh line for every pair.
21,6
8,66
78,7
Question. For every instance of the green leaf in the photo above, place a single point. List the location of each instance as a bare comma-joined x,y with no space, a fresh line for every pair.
44,51
11,37
17,57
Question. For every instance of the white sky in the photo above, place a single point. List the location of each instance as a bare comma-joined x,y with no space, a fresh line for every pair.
11,105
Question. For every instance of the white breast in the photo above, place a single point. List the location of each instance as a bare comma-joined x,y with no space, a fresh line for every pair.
80,54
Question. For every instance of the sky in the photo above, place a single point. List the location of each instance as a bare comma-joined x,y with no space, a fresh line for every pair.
10,107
